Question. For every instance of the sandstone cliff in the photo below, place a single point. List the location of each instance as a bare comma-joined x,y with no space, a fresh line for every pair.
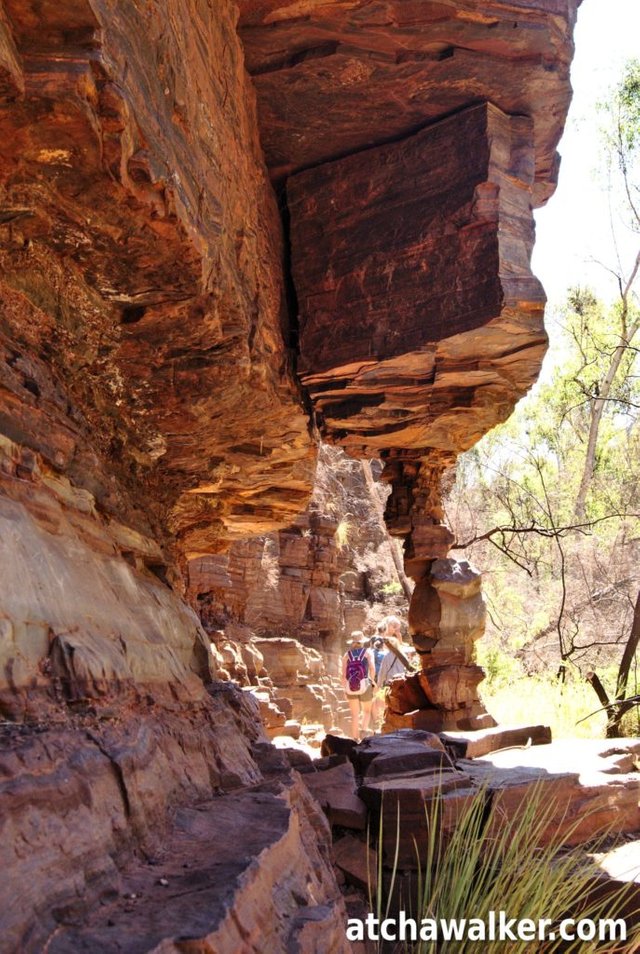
219,224
279,608
331,572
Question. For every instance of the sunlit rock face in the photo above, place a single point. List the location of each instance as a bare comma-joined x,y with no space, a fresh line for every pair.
142,273
148,412
337,77
160,330
328,574
420,321
413,141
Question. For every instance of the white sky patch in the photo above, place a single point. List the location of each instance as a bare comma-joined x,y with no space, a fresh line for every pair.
574,229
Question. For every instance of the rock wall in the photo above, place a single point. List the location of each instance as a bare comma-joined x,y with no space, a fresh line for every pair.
144,322
414,142
171,324
279,608
331,572
333,80
148,412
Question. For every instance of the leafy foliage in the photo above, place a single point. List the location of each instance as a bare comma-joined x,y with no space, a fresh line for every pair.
555,491
576,595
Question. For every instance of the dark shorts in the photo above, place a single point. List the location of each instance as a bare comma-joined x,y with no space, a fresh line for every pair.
365,696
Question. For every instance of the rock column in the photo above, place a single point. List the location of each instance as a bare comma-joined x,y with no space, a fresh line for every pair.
447,612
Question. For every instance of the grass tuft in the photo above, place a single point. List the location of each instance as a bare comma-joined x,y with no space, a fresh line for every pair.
511,864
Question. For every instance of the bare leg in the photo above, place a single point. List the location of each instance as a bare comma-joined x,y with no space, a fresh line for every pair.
354,705
377,710
366,715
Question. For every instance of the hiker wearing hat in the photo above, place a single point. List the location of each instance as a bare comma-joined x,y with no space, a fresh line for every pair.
358,680
395,662
379,650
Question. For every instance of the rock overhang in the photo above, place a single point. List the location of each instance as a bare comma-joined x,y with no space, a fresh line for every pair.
142,256
414,141
193,397
147,387
336,77
420,320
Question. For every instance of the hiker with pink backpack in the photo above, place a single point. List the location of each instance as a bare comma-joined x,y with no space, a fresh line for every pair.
358,682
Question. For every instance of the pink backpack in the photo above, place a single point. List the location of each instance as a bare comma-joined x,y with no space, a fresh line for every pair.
357,671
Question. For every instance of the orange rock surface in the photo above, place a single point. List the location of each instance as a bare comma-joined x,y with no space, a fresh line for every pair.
222,227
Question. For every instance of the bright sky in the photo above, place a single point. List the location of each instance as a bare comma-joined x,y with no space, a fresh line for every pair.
574,228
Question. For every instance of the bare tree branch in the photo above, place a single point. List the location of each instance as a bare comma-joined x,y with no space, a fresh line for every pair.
547,532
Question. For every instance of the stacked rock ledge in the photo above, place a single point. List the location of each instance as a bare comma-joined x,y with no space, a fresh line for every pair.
151,412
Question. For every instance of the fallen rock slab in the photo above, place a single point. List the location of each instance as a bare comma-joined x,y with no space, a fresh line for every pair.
409,789
582,756
474,744
409,761
357,860
572,775
408,808
337,745
622,863
404,747
335,790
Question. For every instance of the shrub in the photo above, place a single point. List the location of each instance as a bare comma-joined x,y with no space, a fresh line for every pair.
515,867
546,700
343,533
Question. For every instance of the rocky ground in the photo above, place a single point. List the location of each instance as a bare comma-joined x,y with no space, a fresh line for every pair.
226,876
228,230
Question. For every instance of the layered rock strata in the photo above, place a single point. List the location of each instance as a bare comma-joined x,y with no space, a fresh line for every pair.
446,617
441,320
144,324
334,79
411,264
415,142
416,788
90,791
149,408
290,681
334,570
247,871
148,412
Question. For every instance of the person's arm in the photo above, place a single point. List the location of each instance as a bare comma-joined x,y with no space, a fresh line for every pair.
344,671
384,668
372,666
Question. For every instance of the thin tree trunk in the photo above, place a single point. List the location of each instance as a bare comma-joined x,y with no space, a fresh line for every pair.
613,717
617,708
629,652
598,403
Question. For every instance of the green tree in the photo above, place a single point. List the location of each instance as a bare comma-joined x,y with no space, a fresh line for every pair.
622,145
555,490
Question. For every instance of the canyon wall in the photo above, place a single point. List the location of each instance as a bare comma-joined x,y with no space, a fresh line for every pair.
148,413
279,608
334,570
413,142
226,231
